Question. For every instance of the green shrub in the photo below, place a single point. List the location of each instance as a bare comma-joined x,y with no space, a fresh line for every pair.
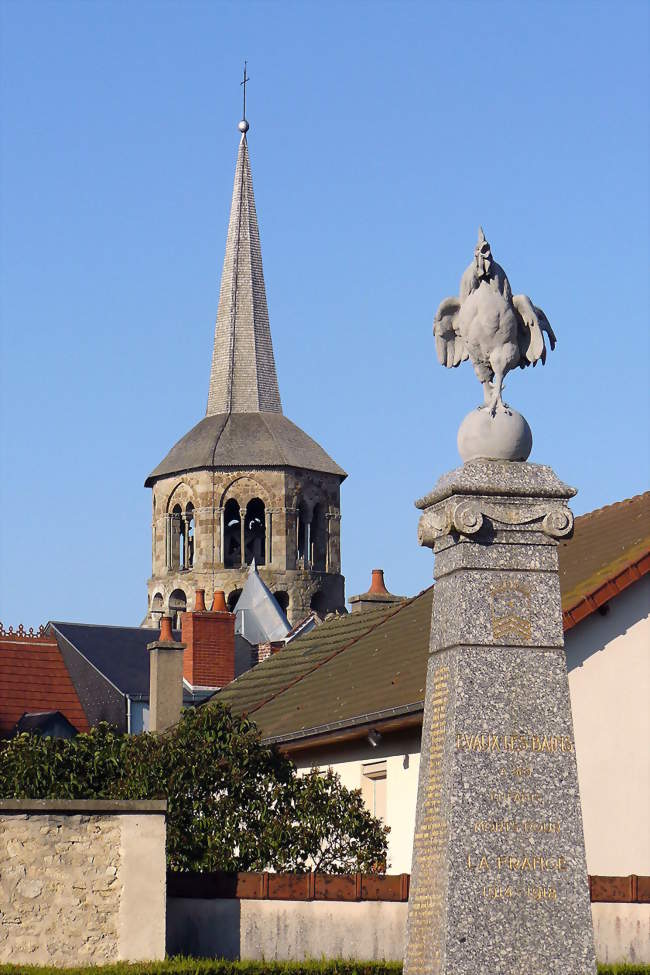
233,802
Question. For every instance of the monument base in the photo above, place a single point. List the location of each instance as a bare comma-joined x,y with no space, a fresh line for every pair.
499,880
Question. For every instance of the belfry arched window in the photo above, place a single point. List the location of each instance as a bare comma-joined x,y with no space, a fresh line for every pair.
282,598
231,534
302,534
188,533
318,539
318,603
255,532
180,537
175,547
177,605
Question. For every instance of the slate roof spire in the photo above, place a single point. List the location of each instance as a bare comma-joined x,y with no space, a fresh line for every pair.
243,377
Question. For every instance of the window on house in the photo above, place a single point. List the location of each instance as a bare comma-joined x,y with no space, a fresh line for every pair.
373,788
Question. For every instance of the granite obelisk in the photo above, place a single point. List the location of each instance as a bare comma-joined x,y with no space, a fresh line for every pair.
499,881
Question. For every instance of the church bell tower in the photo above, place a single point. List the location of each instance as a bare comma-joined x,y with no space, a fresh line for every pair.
245,483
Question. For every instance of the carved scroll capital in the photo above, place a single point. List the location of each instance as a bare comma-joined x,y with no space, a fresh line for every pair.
558,523
468,515
463,517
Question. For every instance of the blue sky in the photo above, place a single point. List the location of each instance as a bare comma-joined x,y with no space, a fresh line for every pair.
382,134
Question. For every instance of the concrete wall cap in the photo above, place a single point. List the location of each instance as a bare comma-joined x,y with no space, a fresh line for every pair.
165,645
86,806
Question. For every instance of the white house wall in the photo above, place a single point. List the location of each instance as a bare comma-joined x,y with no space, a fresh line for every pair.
402,755
608,658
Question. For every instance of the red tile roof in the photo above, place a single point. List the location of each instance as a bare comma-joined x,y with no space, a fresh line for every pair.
33,677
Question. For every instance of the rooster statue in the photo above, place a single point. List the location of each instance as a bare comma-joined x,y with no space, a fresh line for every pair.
489,325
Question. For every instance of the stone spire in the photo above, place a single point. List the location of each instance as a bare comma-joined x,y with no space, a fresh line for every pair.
243,377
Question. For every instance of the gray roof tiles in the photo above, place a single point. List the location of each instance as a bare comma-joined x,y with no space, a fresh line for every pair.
243,377
245,440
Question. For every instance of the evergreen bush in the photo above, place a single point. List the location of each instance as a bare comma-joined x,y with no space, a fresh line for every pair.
234,804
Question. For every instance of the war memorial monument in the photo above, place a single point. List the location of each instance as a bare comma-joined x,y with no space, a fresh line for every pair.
499,879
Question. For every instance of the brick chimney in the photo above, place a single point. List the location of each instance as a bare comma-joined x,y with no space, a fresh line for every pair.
209,638
378,595
165,678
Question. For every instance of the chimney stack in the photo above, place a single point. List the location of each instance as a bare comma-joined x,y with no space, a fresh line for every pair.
377,596
209,638
165,678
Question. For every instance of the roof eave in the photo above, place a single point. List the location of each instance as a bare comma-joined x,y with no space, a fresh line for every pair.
153,477
606,591
350,729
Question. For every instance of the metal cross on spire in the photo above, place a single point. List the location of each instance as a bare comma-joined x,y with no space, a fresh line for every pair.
243,125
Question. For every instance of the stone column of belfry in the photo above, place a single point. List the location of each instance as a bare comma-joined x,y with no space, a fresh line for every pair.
499,881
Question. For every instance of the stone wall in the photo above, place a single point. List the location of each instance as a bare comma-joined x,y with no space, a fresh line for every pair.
81,882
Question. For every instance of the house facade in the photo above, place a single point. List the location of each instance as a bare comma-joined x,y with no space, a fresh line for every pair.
349,695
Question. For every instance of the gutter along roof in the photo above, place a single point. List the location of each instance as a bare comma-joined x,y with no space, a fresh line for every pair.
368,669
